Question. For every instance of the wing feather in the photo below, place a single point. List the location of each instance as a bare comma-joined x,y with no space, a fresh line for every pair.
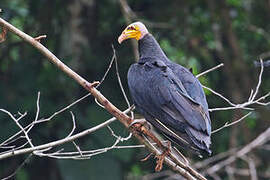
156,90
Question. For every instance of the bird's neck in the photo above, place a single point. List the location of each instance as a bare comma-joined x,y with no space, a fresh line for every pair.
149,48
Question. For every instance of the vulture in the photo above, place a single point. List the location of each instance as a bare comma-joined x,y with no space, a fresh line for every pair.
167,94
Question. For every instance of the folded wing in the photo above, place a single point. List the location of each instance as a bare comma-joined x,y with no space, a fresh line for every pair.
161,97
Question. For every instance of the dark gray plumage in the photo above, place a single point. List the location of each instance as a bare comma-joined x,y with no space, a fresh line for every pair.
170,97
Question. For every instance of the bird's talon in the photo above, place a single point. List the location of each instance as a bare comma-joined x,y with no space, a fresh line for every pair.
137,125
161,157
139,122
147,157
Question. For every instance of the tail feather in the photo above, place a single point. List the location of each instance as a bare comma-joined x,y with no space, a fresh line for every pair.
200,139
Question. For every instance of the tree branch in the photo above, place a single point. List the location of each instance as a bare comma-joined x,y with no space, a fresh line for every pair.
59,142
261,139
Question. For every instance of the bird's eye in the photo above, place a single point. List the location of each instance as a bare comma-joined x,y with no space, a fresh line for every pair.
131,28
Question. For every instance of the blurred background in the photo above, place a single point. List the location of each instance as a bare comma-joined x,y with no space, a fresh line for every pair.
196,34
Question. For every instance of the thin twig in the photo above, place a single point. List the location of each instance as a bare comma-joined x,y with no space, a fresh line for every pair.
230,124
37,114
14,149
19,125
252,167
71,155
218,94
120,83
66,108
251,99
209,70
74,124
119,80
259,82
61,141
108,69
78,148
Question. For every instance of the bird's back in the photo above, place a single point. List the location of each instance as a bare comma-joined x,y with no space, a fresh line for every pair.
190,83
161,98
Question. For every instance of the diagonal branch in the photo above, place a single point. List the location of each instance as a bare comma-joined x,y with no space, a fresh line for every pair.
230,124
261,139
209,70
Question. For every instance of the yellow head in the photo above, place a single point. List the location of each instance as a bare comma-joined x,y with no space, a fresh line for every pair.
135,30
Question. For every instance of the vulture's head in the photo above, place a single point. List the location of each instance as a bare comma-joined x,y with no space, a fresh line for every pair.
135,30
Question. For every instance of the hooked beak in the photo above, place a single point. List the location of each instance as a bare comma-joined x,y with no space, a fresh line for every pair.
122,37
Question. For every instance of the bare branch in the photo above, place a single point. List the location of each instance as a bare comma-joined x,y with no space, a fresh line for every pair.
230,124
19,125
85,154
14,149
252,167
65,108
74,124
209,70
61,141
11,139
260,140
108,69
37,114
218,94
120,83
251,100
246,172
78,148
119,79
229,172
259,82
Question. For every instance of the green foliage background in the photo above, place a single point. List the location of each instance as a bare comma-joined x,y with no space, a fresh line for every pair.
197,34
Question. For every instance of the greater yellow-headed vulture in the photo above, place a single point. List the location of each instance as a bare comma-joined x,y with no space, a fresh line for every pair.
167,94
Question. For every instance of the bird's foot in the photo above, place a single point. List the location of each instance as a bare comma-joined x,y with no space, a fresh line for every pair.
160,158
137,123
147,157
